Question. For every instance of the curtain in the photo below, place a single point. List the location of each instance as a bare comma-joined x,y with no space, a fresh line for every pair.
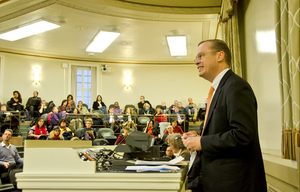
287,15
229,22
74,81
94,83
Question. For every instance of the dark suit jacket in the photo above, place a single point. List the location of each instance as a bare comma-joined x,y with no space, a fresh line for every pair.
231,156
194,175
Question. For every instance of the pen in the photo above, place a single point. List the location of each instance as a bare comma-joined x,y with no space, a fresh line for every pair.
183,137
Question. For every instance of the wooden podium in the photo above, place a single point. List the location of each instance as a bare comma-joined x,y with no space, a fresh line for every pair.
56,166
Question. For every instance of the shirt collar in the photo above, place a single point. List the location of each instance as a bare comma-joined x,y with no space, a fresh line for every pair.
4,145
218,78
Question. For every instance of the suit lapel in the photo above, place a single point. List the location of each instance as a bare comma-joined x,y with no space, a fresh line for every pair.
216,97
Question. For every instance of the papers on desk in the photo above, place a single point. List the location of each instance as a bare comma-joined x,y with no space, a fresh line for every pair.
161,166
171,162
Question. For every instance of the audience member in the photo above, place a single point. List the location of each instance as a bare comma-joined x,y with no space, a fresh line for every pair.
175,128
90,133
129,119
150,129
64,107
192,110
71,102
55,134
82,109
44,109
181,120
168,132
54,117
172,107
99,104
122,137
170,153
33,104
177,146
164,108
15,103
117,110
39,129
159,117
112,119
64,130
194,172
142,102
9,157
147,110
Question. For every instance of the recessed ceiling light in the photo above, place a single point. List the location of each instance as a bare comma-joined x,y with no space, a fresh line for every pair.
102,40
177,45
28,30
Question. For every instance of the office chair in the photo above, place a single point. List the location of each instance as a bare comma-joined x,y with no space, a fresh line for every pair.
143,120
100,142
106,133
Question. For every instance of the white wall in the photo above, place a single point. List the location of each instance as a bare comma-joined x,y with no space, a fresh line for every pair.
261,69
156,82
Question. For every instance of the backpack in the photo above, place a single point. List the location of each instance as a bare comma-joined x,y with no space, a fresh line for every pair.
75,124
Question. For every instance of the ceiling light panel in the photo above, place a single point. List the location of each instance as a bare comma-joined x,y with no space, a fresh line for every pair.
177,45
102,41
28,30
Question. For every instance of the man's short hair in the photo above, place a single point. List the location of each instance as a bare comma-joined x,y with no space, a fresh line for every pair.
219,45
10,130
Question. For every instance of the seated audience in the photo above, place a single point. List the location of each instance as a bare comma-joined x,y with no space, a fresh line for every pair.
168,132
15,103
122,137
194,172
147,110
55,134
169,153
177,146
64,130
71,102
9,157
112,119
39,129
175,128
99,104
142,103
159,117
129,118
181,119
172,107
82,109
150,129
117,110
64,107
182,110
192,110
33,107
90,133
44,109
164,108
54,117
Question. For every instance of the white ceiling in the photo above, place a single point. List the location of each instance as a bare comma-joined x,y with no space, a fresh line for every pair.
143,24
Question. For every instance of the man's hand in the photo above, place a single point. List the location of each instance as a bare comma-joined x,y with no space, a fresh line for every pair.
6,164
192,143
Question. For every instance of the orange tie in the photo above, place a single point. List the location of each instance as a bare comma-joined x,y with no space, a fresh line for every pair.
210,94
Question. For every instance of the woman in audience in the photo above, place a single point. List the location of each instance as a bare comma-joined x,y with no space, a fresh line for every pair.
177,146
176,128
99,104
39,129
82,109
150,129
71,103
43,110
64,107
147,110
129,118
55,134
16,102
64,130
122,137
159,117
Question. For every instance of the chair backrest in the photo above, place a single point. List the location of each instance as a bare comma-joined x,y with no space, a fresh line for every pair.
143,120
98,111
80,132
157,106
106,133
85,105
100,142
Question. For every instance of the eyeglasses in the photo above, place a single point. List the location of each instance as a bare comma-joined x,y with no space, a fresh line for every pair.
201,55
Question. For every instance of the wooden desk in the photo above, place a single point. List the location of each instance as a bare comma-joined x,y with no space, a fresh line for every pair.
61,169
16,141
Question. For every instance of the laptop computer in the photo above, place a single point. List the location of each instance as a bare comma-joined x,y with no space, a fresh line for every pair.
36,102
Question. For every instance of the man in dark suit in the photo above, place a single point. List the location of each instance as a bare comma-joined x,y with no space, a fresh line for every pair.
229,145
